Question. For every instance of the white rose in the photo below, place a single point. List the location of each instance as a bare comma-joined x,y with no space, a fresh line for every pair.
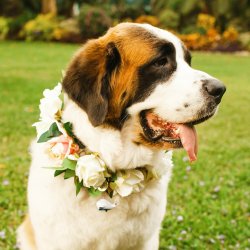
51,103
49,106
129,182
90,169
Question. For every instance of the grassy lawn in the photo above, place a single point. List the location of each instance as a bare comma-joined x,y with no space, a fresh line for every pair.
208,202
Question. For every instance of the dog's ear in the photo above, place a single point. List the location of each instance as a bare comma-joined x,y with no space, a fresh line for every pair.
87,78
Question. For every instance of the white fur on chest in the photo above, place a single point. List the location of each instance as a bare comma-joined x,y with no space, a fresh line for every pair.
63,221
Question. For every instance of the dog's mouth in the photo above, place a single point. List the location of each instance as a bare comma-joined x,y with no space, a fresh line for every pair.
176,135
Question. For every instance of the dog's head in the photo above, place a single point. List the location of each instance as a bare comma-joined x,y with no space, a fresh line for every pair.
140,77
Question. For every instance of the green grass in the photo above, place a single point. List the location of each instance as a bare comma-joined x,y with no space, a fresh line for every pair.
212,197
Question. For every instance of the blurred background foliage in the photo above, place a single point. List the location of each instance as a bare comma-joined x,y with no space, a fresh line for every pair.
202,24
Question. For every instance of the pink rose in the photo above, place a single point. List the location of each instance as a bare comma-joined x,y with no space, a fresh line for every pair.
62,146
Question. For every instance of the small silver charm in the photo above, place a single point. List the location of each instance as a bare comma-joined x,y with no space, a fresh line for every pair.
104,205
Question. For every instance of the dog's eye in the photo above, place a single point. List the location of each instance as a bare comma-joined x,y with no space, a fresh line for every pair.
161,62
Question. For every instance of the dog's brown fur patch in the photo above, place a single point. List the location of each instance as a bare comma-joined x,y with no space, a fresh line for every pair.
124,80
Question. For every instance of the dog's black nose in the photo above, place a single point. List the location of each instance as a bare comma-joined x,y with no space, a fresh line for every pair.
214,88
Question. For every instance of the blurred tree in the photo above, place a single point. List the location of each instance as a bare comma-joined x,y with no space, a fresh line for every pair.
49,6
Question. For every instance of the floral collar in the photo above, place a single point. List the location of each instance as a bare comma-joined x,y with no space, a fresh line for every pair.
74,160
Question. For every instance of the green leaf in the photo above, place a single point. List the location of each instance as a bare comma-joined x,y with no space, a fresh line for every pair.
44,137
69,164
69,173
94,192
78,185
58,172
52,132
68,127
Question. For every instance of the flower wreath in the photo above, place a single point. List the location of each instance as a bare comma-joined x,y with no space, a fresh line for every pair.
74,160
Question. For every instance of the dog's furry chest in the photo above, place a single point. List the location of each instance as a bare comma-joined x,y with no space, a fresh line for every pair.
57,212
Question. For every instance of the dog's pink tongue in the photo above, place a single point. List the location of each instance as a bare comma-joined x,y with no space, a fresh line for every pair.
189,141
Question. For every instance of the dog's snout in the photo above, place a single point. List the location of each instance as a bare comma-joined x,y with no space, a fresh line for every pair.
214,88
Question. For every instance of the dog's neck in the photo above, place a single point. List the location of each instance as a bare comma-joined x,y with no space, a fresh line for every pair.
118,151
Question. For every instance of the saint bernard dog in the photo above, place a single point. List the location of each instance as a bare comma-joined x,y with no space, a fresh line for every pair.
131,95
